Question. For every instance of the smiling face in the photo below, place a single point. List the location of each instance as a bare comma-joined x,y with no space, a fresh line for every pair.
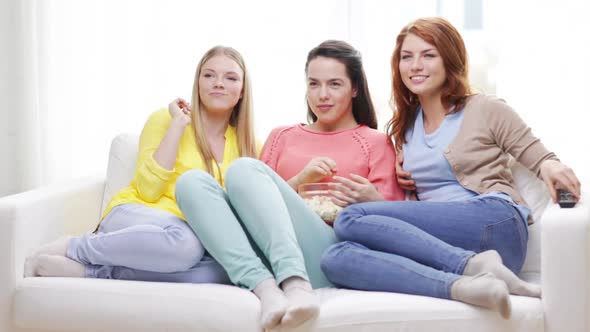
220,84
421,67
329,94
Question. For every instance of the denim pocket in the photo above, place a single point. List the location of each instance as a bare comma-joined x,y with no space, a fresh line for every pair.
509,238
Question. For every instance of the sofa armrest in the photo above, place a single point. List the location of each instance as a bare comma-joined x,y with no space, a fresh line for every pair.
565,267
35,217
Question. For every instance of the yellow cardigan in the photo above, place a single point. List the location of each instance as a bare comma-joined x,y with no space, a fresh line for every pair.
153,185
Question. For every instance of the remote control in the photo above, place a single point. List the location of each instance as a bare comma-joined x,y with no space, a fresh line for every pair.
565,198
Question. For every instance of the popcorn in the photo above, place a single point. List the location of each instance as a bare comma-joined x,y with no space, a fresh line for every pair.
324,207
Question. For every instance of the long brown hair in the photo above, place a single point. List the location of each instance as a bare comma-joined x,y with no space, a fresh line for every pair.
241,117
362,106
447,40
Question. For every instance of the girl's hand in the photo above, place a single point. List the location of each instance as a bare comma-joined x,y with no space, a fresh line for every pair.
317,169
354,190
180,111
559,176
404,179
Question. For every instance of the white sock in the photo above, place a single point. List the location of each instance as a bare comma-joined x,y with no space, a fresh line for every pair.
58,266
57,247
304,304
483,290
273,303
490,261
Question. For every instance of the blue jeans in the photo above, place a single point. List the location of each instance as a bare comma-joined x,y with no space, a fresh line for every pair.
136,242
421,247
260,228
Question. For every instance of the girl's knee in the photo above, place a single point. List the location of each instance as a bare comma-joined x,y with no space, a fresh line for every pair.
192,180
189,255
334,256
241,172
240,167
345,219
509,238
244,162
186,250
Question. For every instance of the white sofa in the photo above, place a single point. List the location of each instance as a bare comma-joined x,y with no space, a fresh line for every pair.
558,258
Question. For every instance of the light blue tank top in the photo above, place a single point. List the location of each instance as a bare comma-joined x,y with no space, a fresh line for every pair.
425,160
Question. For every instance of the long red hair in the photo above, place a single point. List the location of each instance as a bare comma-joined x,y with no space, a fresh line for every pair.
447,40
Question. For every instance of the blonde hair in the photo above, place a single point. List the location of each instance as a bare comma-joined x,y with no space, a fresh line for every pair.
241,117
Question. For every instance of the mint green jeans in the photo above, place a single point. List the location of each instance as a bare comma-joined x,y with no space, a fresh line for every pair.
259,228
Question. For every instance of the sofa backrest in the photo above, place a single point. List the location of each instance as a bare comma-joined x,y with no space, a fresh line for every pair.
123,159
537,197
121,167
532,189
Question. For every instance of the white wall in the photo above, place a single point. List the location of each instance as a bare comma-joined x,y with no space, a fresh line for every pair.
89,69
543,71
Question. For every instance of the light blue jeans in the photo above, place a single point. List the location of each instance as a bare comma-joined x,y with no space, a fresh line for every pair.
421,247
136,242
260,228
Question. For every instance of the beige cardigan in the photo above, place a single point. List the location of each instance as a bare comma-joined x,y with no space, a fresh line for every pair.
478,155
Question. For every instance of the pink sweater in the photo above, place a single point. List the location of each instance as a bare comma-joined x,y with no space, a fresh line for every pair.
360,150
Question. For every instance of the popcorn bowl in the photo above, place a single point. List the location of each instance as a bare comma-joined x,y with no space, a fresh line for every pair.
318,198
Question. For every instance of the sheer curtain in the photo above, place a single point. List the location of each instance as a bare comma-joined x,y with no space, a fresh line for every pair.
20,136
92,69
78,72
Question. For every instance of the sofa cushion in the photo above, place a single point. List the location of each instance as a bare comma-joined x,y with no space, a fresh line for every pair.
121,167
537,197
532,189
66,304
